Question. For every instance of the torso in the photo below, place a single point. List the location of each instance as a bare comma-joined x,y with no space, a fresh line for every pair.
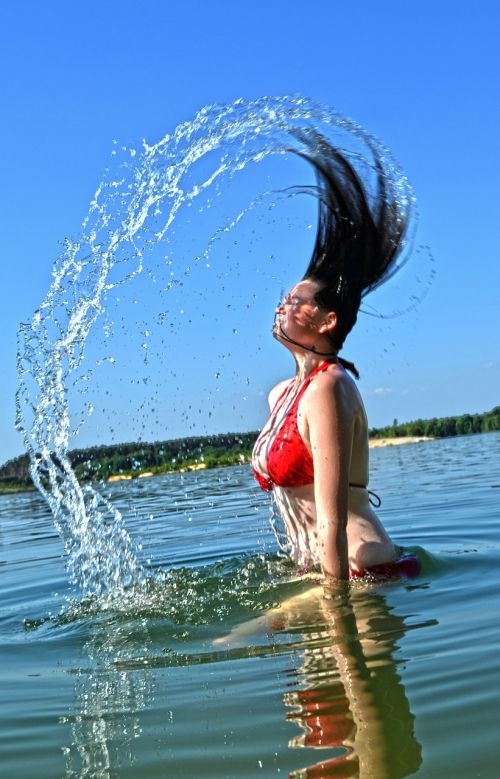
282,461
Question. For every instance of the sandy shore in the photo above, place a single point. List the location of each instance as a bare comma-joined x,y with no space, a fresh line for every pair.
407,439
147,474
373,443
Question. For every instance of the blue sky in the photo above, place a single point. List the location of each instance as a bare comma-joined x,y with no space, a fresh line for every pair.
423,77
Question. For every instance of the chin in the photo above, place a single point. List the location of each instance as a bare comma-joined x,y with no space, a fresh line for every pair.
276,332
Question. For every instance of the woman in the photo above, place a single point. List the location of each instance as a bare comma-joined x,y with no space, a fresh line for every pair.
313,451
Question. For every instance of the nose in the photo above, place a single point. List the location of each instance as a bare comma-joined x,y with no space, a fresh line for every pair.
281,306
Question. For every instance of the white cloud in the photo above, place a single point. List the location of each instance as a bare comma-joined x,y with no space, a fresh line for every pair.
381,391
415,390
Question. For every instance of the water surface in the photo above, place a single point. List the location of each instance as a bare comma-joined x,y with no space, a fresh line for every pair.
400,681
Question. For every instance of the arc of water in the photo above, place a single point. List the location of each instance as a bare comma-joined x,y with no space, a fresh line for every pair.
51,346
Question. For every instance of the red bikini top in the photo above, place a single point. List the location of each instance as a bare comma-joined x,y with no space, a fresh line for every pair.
289,462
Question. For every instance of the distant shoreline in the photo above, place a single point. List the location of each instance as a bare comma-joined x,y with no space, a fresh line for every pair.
140,459
375,443
188,467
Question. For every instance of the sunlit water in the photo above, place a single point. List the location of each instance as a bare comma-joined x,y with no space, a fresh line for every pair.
401,682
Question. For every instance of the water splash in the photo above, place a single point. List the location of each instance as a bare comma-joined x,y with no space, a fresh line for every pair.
133,211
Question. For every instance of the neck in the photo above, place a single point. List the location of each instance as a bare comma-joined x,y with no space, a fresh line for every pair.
306,363
307,358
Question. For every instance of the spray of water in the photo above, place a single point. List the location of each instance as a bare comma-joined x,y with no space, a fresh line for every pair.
133,210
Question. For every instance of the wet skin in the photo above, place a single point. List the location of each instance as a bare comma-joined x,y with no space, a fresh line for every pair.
328,522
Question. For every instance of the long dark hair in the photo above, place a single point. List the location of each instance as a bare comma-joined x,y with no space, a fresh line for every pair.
357,241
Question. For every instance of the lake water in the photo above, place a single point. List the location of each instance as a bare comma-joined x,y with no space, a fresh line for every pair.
402,680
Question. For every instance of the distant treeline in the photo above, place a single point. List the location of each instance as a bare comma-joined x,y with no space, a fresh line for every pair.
101,462
442,428
132,459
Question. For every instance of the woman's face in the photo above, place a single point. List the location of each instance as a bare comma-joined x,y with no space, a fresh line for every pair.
299,316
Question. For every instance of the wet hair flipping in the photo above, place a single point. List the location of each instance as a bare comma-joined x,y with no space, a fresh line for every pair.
357,241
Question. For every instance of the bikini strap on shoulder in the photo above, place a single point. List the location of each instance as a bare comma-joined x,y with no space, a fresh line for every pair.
319,369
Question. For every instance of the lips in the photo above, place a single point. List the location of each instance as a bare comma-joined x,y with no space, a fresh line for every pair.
276,329
276,324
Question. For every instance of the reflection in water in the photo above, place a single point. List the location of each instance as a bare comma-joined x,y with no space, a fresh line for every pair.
345,697
108,702
350,698
115,671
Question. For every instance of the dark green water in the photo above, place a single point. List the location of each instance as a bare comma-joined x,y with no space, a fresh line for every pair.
400,681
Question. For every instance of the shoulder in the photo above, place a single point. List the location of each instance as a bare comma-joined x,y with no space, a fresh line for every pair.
334,381
332,388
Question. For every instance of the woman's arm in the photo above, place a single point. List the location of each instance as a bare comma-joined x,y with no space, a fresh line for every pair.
330,423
